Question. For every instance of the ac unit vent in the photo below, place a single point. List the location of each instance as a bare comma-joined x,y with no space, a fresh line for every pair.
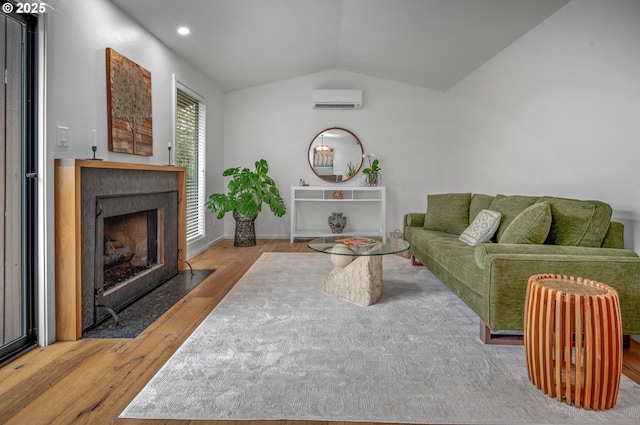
337,99
336,106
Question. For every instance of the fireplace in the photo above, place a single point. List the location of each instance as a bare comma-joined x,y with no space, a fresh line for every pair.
135,239
94,200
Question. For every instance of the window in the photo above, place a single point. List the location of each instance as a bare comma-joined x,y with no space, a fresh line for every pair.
190,153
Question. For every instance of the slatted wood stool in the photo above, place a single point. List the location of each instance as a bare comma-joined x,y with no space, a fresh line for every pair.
573,340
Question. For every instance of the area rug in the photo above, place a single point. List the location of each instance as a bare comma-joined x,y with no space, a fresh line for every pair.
139,315
278,348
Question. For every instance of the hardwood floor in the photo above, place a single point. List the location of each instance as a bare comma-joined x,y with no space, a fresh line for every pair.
92,381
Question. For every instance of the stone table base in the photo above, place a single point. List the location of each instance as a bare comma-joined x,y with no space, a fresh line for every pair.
360,282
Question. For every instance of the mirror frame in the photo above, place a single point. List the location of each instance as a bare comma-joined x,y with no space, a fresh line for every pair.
357,141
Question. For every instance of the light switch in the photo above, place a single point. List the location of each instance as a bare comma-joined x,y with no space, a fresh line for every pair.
62,137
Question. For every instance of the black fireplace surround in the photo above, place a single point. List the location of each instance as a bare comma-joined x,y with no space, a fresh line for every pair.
108,192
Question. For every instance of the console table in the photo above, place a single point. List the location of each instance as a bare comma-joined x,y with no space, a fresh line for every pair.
365,208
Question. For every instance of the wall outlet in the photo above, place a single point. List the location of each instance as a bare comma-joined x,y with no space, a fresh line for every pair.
62,134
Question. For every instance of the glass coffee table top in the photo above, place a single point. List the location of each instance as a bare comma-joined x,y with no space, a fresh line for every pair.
358,246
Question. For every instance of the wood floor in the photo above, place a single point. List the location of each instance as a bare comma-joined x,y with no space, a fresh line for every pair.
92,381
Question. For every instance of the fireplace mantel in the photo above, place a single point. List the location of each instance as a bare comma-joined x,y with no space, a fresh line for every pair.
68,240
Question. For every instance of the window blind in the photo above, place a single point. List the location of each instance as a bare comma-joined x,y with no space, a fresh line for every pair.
190,153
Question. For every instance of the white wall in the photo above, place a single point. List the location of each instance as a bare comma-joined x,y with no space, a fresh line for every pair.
77,33
556,113
398,123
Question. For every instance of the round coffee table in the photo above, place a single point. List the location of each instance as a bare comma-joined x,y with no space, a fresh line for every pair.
357,276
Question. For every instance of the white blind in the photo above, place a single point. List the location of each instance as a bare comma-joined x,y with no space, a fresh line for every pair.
190,153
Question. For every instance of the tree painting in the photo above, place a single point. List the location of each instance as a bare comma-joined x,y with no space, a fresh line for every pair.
129,105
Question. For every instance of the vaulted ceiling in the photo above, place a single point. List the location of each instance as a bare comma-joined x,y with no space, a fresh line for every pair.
429,43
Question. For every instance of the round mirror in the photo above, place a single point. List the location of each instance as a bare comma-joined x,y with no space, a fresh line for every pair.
335,155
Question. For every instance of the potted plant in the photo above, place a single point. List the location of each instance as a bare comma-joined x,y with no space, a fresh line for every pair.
372,175
248,190
351,169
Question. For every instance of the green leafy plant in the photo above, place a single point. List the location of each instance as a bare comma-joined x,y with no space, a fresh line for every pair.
248,190
372,175
351,169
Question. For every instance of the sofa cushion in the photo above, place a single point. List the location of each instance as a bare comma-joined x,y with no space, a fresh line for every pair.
410,232
482,228
452,255
614,237
479,202
577,223
448,212
531,226
509,206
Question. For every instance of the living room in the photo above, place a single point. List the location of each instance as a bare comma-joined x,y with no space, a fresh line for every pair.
553,113
557,103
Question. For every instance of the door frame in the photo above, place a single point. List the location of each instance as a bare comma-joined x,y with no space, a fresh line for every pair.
29,193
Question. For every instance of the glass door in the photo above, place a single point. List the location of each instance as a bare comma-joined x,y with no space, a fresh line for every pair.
17,184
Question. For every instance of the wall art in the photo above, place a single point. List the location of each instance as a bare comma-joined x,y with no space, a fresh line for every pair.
128,105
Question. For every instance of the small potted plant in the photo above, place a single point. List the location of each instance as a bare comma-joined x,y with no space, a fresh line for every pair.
248,190
372,175
351,169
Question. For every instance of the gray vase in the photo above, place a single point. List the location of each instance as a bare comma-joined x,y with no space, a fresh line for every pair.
337,222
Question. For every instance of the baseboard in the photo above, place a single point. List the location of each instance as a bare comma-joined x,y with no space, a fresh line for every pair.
203,248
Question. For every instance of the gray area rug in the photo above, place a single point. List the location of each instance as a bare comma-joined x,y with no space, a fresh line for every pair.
278,348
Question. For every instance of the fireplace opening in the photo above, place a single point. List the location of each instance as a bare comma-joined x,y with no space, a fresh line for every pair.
136,249
131,246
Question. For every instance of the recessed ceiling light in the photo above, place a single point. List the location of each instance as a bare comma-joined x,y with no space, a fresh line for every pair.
183,30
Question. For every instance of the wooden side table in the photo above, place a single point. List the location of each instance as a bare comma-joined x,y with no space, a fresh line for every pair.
573,340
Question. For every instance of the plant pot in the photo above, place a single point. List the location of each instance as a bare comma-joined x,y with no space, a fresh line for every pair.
373,179
245,234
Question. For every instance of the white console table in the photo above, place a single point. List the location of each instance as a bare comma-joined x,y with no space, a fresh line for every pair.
365,209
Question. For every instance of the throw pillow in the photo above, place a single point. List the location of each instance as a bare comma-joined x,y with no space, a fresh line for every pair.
448,212
531,226
478,203
577,223
509,206
482,228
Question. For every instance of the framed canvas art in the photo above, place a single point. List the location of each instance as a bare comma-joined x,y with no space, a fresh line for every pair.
128,105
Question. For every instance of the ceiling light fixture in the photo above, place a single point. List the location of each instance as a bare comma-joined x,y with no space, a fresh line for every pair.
183,31
322,146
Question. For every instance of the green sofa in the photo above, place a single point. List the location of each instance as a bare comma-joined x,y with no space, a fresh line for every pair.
534,235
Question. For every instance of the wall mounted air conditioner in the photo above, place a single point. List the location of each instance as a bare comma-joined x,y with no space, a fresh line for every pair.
337,99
